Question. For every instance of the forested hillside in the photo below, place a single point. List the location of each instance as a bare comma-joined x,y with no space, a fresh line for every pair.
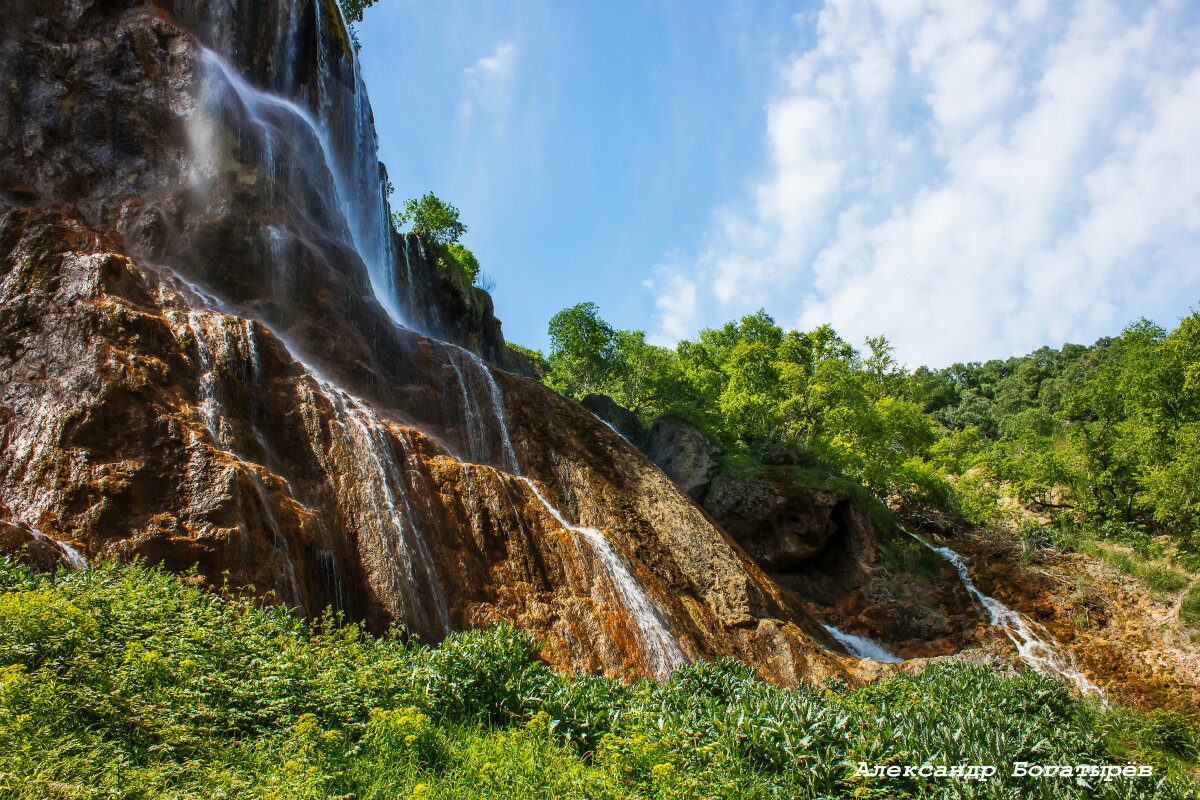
1105,436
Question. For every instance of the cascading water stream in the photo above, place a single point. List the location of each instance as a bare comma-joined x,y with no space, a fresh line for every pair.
611,427
330,579
863,647
380,487
72,556
1035,645
661,647
278,540
468,365
358,194
222,342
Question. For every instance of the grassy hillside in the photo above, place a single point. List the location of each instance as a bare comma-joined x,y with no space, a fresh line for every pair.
127,682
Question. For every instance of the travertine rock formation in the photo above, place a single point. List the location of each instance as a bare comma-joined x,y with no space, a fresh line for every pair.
202,362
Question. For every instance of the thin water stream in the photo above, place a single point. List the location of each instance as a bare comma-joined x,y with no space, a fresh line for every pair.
660,645
1035,645
72,556
863,647
658,642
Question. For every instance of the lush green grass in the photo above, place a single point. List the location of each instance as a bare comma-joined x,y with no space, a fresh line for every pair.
1153,569
126,682
1189,611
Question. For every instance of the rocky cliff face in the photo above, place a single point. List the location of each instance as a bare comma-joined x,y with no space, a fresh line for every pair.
204,361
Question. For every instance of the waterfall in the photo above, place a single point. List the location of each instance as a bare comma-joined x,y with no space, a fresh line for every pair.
278,540
322,139
863,647
661,648
611,427
475,413
289,130
72,556
375,495
329,579
1035,645
225,344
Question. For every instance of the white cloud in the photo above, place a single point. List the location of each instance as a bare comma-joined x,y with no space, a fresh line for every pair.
675,298
487,88
972,179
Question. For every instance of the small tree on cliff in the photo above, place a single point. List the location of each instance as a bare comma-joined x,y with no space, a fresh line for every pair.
432,219
352,12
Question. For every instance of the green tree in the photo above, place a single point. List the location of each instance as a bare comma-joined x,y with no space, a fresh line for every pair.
582,351
352,12
434,220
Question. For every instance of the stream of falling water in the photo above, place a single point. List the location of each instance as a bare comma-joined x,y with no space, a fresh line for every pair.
475,414
219,348
1035,645
661,648
359,202
660,645
863,647
72,556
381,484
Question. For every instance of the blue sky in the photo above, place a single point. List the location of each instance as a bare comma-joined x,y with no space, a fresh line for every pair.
972,179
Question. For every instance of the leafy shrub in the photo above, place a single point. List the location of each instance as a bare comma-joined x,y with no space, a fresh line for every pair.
408,735
486,675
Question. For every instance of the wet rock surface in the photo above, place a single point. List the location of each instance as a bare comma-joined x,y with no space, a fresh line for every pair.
621,419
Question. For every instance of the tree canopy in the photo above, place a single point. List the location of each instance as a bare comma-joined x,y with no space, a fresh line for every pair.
1107,434
432,219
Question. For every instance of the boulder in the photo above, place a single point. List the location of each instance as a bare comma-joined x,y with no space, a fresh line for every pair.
619,418
687,456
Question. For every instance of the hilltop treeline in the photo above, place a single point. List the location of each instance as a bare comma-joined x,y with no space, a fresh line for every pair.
1106,435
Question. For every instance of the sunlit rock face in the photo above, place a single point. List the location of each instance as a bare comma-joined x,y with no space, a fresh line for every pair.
209,358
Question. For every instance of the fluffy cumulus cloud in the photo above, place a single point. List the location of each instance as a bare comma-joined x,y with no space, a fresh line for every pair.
487,88
973,179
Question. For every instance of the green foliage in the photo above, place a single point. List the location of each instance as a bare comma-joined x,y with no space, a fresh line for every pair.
458,258
752,387
1107,436
465,260
352,12
582,350
125,682
1189,610
433,220
541,366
